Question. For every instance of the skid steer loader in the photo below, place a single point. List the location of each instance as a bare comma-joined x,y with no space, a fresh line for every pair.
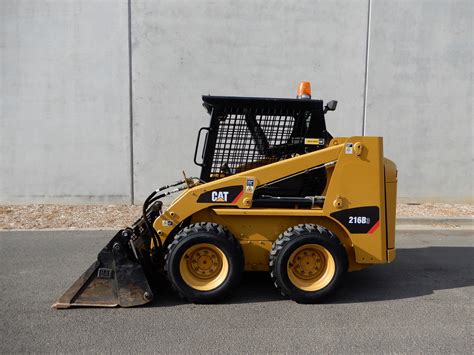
277,193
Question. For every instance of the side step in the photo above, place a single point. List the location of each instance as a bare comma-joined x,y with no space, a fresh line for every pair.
115,279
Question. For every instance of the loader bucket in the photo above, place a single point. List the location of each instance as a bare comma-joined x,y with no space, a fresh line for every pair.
114,279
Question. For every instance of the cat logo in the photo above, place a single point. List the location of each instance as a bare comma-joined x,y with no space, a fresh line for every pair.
219,196
229,194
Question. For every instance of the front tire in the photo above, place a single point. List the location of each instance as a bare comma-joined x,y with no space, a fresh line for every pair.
204,262
307,263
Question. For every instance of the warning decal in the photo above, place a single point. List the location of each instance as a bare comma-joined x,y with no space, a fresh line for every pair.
349,148
250,185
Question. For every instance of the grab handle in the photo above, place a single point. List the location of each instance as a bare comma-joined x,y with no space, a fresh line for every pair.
197,144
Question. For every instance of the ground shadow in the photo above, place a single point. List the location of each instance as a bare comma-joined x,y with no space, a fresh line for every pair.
254,287
415,272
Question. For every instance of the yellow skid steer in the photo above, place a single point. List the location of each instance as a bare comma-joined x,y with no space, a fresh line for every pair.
277,193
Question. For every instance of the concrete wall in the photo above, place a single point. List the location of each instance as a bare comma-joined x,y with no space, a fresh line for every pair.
184,49
420,94
64,102
66,133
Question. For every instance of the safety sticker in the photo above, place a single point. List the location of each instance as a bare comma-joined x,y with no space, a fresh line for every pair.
314,141
349,148
250,185
166,223
104,273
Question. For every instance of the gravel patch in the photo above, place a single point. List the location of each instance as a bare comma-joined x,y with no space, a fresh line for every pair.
435,210
61,216
120,216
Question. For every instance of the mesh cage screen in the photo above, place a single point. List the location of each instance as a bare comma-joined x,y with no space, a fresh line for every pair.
248,138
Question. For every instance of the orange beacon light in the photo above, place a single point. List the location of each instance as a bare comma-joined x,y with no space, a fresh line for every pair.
304,90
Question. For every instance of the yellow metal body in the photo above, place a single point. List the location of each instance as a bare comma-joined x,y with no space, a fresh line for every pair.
358,175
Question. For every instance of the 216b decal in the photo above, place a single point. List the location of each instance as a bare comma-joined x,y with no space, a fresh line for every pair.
359,220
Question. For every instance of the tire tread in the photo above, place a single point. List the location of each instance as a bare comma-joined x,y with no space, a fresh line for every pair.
208,227
294,232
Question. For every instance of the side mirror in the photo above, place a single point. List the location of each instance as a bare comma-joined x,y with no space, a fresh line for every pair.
330,106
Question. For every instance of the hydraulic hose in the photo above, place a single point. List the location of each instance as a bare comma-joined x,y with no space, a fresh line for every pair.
153,197
149,227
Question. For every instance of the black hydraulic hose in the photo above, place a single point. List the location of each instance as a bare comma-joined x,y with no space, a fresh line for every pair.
152,198
149,227
288,202
157,197
170,185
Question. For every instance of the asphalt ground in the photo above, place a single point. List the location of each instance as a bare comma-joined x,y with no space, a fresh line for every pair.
423,302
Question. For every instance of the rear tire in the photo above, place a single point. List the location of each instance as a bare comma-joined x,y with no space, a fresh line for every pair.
307,263
204,262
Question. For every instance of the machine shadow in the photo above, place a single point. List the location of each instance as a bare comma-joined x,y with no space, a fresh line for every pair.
415,272
254,287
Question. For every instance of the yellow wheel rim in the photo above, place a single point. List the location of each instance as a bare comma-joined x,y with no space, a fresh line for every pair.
204,267
311,267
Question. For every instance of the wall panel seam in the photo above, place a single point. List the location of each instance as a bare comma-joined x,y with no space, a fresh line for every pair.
130,98
366,74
